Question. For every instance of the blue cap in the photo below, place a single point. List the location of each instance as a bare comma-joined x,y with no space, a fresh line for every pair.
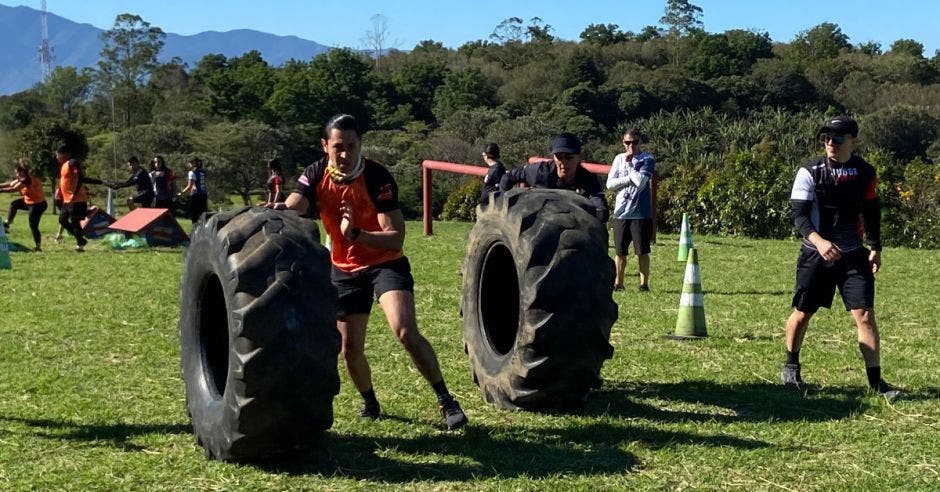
567,143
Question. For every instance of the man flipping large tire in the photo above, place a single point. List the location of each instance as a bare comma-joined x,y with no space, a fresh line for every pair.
537,299
258,334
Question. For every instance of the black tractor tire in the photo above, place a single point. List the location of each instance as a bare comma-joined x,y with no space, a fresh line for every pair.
258,335
537,299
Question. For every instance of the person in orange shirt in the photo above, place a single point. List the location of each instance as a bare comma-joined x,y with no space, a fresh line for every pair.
72,181
358,203
33,200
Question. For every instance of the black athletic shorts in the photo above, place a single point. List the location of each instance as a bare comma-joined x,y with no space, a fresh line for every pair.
637,231
358,290
816,281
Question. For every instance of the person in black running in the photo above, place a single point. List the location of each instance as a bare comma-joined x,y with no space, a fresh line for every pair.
564,172
834,199
140,180
357,199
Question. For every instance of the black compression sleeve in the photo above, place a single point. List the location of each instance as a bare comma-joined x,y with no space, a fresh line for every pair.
871,214
800,210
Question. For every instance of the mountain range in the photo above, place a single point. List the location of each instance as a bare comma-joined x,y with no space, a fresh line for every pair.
78,45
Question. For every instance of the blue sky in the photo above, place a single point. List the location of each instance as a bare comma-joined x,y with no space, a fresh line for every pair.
344,23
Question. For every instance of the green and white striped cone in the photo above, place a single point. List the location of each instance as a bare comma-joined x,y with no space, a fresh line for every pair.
690,324
5,262
685,239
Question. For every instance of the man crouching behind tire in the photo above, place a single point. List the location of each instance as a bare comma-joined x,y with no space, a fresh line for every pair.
358,203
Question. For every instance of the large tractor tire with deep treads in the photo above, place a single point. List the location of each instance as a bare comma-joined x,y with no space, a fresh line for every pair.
258,335
537,299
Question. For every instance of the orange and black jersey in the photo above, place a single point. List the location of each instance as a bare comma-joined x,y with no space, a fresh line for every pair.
373,192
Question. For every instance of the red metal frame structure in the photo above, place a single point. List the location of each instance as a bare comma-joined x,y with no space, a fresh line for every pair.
429,165
426,168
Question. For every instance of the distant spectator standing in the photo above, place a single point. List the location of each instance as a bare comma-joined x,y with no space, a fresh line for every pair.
72,181
33,200
563,172
140,180
630,176
162,177
494,174
275,184
196,186
834,199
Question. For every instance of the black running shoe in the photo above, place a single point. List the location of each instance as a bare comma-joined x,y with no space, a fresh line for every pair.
644,288
370,410
886,390
790,375
453,416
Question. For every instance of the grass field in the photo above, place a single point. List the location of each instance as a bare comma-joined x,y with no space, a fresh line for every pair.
91,395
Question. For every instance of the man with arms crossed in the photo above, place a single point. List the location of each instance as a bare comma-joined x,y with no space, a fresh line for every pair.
630,177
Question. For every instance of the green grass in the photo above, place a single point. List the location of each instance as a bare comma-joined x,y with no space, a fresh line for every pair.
91,395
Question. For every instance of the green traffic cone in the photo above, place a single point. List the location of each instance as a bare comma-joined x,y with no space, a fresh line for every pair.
685,239
690,324
5,262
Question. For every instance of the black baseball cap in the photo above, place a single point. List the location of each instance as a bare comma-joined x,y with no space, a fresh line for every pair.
840,125
567,143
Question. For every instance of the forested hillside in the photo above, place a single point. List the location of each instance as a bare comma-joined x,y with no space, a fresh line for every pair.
729,116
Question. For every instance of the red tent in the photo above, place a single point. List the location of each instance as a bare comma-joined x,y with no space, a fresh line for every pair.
156,225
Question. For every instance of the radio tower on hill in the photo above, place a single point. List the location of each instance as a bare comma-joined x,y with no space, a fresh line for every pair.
45,51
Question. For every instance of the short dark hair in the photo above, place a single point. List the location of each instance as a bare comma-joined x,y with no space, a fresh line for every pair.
195,161
492,150
133,160
275,165
20,167
64,149
341,122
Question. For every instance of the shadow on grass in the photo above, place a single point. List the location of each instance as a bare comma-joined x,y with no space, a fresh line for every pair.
745,402
712,292
747,292
115,434
480,451
733,244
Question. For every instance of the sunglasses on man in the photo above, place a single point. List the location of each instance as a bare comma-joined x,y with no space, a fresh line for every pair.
836,139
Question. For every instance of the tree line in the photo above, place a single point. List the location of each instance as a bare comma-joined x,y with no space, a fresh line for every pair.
729,116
